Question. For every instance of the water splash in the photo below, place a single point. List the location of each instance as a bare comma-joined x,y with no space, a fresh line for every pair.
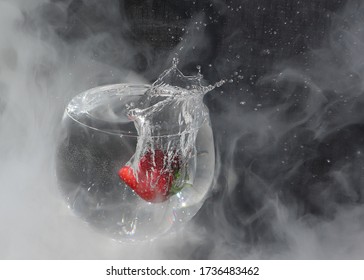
168,119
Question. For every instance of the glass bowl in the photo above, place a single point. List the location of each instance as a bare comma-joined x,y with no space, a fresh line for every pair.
97,138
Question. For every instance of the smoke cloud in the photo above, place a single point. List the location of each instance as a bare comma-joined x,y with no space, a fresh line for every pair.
288,126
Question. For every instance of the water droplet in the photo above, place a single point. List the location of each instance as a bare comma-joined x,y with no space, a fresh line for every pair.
175,62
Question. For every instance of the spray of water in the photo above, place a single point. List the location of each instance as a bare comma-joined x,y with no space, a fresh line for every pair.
173,107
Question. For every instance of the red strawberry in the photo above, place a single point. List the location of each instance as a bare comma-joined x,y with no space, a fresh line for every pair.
127,175
154,185
152,160
154,181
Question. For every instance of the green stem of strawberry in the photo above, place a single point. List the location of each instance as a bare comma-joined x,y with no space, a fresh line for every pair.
175,189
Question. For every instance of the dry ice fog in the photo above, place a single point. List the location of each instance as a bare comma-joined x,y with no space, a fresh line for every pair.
288,125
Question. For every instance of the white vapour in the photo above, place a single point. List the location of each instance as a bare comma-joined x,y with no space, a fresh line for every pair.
331,88
40,73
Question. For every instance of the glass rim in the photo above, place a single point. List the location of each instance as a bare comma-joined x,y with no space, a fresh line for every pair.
116,90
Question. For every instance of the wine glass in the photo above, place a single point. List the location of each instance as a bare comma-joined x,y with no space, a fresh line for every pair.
96,139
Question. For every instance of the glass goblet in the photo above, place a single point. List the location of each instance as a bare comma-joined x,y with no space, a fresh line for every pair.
96,139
